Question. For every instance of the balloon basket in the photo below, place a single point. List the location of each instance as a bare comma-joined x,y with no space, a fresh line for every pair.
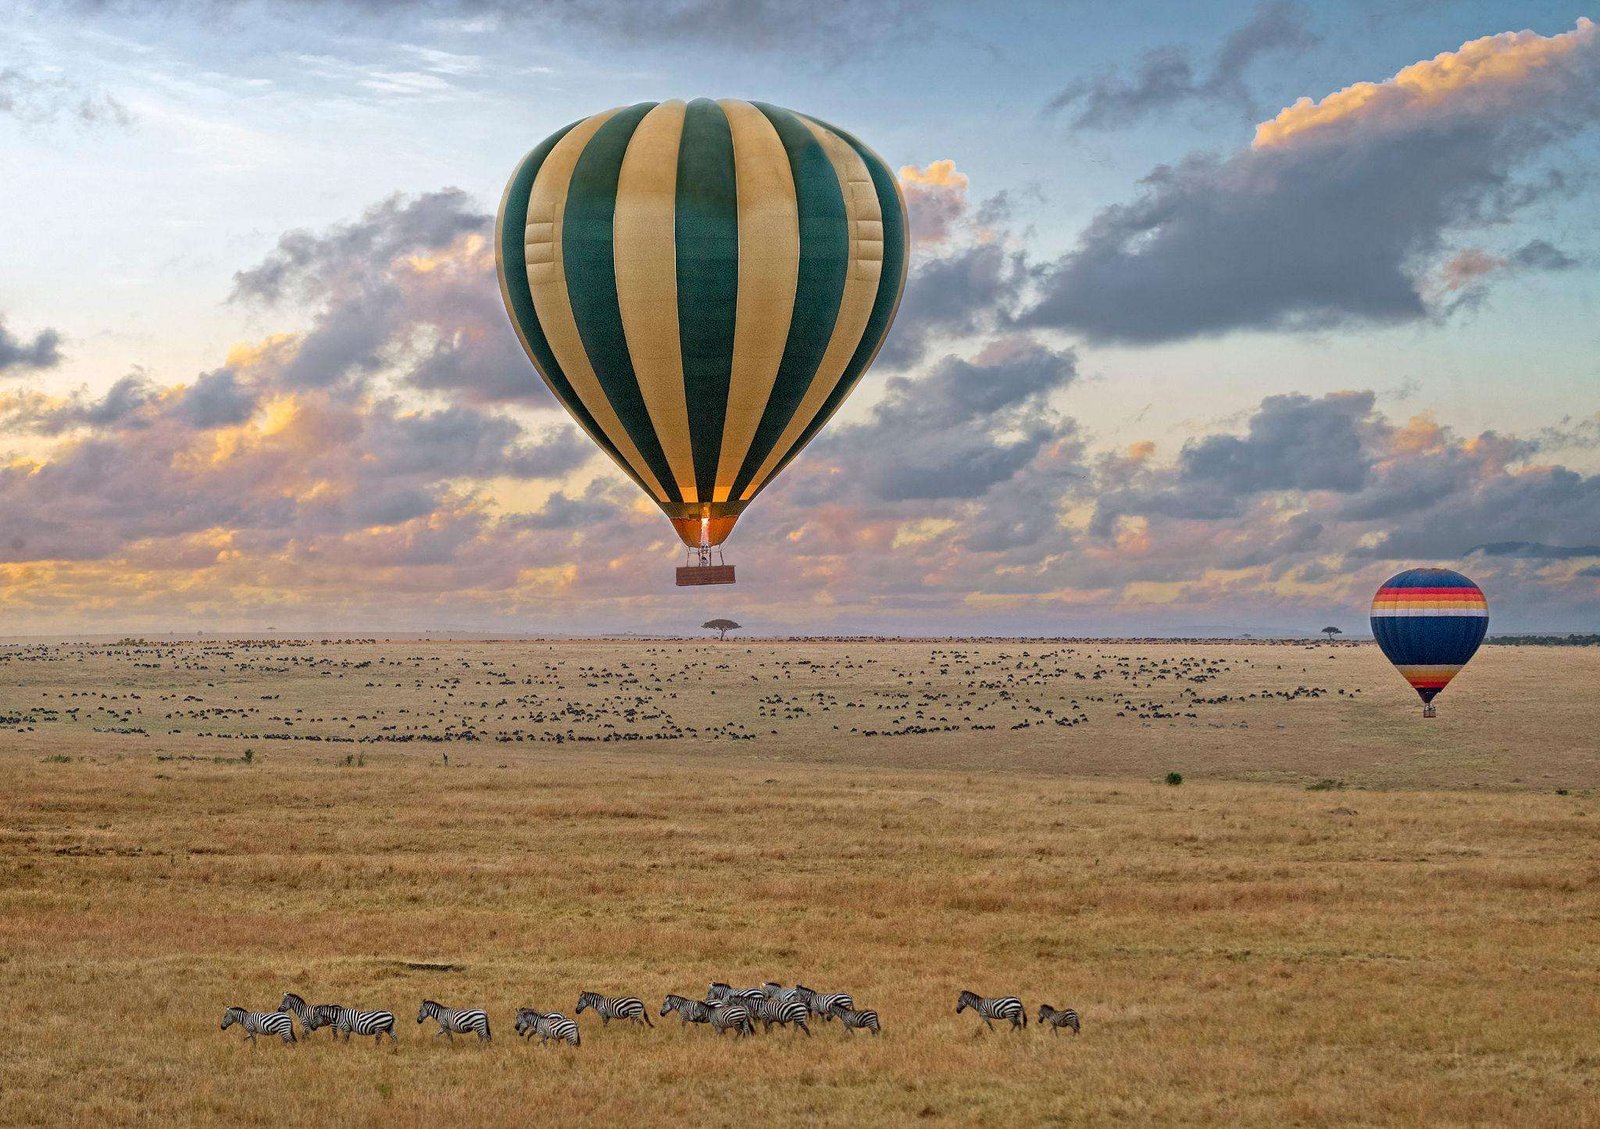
1430,710
704,565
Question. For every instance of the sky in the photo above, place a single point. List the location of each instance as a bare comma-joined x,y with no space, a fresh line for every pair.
1217,315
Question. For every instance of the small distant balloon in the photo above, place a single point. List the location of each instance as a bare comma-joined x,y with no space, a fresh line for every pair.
1429,622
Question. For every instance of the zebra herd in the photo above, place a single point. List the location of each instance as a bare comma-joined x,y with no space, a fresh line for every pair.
723,1009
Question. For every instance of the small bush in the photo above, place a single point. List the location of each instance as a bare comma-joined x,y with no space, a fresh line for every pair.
59,758
1174,778
1326,785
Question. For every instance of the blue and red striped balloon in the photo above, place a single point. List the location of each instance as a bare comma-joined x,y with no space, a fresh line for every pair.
1429,622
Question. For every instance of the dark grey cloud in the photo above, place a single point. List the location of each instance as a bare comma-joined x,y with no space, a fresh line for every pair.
958,430
217,399
1535,550
963,292
1337,224
1170,76
1538,254
17,354
40,99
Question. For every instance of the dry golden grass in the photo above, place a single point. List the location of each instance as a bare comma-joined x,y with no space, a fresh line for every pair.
1405,950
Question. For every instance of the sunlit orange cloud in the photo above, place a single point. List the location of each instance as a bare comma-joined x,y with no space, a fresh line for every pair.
1421,433
1467,267
1488,71
941,174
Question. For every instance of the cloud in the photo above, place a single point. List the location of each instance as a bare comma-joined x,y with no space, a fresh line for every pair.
815,28
1168,76
961,429
17,354
1336,213
45,99
410,285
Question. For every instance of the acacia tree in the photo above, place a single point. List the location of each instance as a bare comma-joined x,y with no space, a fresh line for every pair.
1330,632
720,626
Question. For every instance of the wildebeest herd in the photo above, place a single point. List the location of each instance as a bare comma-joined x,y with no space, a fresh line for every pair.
723,1009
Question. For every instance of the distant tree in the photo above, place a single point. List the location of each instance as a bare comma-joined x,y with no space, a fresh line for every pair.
1330,632
720,626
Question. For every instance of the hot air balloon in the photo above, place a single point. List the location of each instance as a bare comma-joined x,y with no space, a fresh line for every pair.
1429,622
701,284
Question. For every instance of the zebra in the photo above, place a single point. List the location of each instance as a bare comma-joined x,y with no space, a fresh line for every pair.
614,1007
547,1025
851,1019
309,1019
689,1011
719,992
1058,1019
452,1020
349,1021
734,1017
820,1003
260,1023
994,1007
781,1012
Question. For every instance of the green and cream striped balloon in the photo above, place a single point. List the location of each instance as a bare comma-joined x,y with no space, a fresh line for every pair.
701,284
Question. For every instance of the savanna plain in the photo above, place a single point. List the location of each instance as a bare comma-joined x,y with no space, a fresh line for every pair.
1343,914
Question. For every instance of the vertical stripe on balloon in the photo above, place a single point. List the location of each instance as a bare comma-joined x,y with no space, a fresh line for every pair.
645,249
547,282
588,251
512,267
706,226
864,219
769,270
824,269
896,240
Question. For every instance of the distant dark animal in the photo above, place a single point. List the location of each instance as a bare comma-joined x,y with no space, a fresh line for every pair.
613,1007
455,1021
853,1019
259,1023
1056,1020
994,1007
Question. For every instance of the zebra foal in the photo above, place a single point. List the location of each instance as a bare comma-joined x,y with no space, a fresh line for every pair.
689,1011
455,1020
304,1012
994,1007
853,1020
259,1023
1056,1020
613,1007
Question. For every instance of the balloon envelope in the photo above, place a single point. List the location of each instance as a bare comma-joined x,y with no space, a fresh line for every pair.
701,284
1429,622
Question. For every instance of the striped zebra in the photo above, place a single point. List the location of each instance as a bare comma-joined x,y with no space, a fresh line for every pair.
719,992
547,1025
781,1012
296,1005
614,1007
820,1003
731,1017
455,1020
852,1019
1056,1020
689,1011
994,1007
351,1021
259,1023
